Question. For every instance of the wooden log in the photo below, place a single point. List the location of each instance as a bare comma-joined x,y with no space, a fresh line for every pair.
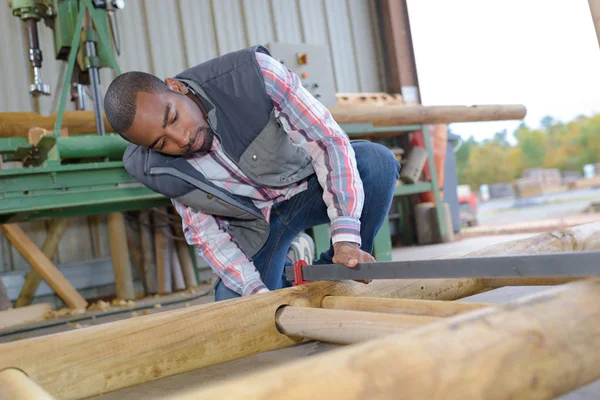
595,11
15,385
502,282
18,124
185,260
120,256
49,247
176,273
434,308
98,359
415,114
149,266
5,302
111,356
44,266
539,347
163,257
135,249
22,315
342,326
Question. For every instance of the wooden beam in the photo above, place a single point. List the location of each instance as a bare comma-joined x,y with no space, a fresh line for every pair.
44,266
409,115
595,11
346,114
49,247
18,124
342,326
4,299
539,347
147,249
15,385
120,256
111,356
434,308
401,63
22,315
98,359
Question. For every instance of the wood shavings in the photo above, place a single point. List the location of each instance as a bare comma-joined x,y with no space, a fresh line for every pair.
145,312
63,312
157,305
134,314
77,325
100,305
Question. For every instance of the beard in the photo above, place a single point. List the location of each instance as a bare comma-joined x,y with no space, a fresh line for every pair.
204,134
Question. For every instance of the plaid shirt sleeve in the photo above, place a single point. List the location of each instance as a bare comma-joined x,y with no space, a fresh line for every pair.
311,126
220,251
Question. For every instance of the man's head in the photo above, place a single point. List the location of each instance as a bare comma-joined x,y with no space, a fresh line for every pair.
157,115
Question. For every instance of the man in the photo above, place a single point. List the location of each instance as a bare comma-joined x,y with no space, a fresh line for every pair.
250,160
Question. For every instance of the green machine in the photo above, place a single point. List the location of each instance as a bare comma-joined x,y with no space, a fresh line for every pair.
78,175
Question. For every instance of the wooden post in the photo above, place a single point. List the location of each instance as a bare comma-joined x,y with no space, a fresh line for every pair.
414,114
135,249
434,308
120,256
342,326
176,273
163,257
15,385
17,124
595,10
147,248
23,315
99,359
49,247
539,347
401,59
4,299
44,266
185,259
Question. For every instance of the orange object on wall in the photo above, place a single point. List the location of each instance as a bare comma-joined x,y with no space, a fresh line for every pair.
439,139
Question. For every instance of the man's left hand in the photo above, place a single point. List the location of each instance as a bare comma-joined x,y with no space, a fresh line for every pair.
350,255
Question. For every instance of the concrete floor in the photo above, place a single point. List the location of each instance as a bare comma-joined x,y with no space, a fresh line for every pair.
200,378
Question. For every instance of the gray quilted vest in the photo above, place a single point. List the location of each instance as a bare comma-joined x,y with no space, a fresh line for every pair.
240,113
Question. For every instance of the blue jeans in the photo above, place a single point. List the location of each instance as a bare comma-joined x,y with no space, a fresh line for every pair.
378,170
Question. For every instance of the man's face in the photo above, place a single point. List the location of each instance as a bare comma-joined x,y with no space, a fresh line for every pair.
170,122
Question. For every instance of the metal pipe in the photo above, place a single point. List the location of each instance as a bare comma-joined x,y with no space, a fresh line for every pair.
90,146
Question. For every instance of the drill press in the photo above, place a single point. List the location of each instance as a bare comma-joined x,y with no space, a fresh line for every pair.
81,31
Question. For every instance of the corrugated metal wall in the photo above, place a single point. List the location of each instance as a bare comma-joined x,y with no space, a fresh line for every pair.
164,37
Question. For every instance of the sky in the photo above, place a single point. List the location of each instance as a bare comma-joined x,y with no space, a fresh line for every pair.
543,54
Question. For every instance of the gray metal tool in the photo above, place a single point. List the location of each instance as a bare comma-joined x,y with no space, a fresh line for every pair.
563,264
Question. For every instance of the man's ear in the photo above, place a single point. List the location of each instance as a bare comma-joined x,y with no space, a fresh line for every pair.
176,86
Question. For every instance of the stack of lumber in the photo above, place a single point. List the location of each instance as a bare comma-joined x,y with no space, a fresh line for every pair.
406,338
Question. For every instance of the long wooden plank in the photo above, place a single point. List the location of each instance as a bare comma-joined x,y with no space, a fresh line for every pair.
15,385
343,326
416,114
108,357
21,315
17,124
98,359
44,266
120,256
434,308
49,247
539,347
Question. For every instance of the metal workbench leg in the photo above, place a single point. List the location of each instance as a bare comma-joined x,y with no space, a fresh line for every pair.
382,245
439,206
320,234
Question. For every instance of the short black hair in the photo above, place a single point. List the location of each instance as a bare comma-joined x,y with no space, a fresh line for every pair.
120,98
